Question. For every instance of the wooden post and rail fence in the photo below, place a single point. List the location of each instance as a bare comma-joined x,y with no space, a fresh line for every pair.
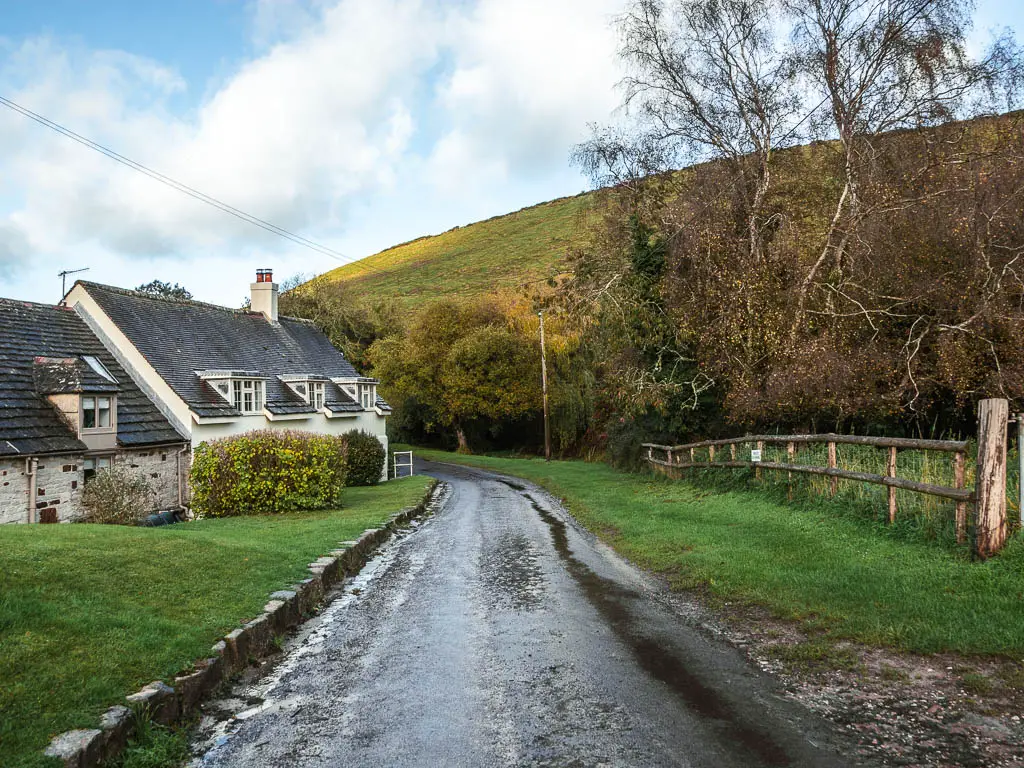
988,497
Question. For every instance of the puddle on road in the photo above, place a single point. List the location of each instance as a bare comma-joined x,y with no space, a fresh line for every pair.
610,598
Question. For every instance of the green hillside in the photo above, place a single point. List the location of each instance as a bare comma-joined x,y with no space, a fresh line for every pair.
502,252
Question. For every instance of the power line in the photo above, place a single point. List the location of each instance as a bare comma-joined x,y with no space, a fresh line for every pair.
181,187
210,200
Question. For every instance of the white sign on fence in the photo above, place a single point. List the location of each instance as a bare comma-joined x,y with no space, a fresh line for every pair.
755,454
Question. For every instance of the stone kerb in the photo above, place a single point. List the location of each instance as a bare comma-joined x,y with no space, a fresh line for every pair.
286,609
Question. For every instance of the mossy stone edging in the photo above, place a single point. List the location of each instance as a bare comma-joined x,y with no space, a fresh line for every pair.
286,609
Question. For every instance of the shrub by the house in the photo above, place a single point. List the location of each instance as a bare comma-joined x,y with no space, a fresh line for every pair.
268,472
366,457
117,495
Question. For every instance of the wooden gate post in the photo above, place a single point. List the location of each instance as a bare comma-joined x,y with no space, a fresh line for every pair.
790,453
833,482
890,471
990,488
959,480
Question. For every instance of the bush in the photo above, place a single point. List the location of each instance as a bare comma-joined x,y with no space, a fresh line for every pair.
366,457
117,495
268,472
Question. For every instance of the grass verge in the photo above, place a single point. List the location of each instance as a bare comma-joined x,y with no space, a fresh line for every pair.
89,613
809,562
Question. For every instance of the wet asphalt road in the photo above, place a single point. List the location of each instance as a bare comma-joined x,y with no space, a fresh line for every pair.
497,634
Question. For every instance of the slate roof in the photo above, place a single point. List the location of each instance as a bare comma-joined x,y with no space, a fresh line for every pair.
180,337
28,423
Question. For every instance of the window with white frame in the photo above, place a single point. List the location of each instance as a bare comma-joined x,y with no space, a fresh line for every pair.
248,395
366,396
98,413
316,394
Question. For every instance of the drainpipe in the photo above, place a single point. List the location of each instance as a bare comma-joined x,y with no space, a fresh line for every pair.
32,470
181,483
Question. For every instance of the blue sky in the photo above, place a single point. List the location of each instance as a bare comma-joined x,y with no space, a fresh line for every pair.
359,123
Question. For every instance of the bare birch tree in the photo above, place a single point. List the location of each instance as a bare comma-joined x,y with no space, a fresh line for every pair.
878,66
706,81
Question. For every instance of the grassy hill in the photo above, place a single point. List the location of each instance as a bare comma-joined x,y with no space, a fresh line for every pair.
502,252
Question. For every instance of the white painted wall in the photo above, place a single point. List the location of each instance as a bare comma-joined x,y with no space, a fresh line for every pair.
367,421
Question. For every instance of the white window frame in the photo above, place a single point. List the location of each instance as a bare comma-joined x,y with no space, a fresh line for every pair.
316,396
247,396
367,396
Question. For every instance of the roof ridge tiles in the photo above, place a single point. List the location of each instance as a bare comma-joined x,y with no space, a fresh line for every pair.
165,299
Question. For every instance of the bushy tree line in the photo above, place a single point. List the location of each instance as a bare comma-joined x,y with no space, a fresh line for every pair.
851,257
842,251
470,369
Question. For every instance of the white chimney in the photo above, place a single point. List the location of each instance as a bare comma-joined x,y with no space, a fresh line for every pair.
264,294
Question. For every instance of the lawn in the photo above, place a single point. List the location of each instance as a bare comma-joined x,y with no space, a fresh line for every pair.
838,572
89,613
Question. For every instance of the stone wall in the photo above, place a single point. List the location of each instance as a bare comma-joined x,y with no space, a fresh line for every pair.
160,468
58,489
59,483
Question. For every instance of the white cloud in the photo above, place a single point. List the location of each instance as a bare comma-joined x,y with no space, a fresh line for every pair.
528,77
349,103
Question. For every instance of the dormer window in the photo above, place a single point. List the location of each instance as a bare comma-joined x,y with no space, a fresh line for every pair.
362,390
248,395
310,387
243,389
98,413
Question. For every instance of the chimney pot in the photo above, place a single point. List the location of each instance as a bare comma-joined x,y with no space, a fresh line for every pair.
264,295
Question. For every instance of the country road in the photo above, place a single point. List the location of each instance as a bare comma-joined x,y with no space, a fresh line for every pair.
497,633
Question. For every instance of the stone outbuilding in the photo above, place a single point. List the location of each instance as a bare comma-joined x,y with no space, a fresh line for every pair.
67,410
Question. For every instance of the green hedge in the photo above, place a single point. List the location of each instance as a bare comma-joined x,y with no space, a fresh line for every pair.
268,472
366,457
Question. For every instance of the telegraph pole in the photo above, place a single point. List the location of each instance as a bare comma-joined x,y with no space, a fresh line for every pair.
544,382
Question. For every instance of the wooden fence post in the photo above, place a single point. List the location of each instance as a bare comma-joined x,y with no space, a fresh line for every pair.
790,452
732,451
711,454
833,482
760,448
990,485
692,459
959,481
890,471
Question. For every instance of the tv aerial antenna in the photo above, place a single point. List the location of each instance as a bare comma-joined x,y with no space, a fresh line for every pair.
64,279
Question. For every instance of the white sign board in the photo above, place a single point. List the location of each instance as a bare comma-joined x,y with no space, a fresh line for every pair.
755,454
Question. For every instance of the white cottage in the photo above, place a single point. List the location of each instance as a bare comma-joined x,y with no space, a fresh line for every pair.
214,371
